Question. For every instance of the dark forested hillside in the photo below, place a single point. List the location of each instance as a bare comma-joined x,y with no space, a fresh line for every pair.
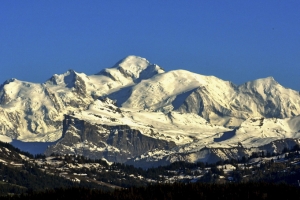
175,191
18,175
24,174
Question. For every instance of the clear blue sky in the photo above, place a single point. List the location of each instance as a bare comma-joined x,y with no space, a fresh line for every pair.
234,40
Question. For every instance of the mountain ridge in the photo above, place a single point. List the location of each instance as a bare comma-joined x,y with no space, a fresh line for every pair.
177,106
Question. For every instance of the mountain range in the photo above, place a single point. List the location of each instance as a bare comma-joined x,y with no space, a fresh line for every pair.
137,113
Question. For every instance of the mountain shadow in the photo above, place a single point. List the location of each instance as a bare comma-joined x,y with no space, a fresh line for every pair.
121,95
226,135
178,101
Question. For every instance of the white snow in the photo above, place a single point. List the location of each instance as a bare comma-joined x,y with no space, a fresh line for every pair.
150,99
4,138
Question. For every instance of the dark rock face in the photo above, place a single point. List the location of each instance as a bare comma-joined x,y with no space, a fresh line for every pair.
114,143
54,99
277,146
4,98
213,155
80,87
12,117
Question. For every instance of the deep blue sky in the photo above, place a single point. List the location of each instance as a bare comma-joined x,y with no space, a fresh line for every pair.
233,40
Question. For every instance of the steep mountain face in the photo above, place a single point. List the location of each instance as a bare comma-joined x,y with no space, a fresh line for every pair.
218,101
118,135
115,143
34,112
147,139
135,112
132,69
209,155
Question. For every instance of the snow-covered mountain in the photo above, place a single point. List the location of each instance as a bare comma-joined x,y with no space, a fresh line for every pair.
136,112
218,101
34,112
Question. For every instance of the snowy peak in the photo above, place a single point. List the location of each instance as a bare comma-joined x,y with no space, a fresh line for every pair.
132,67
268,80
13,88
265,83
268,98
68,79
7,82
4,96
132,64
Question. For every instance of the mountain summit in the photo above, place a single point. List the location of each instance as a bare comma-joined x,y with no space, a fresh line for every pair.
133,67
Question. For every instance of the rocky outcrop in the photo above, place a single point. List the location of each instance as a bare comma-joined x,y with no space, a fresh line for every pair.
210,155
114,143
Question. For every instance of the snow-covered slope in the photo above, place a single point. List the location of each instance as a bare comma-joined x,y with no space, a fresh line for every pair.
145,138
34,112
179,115
218,101
105,130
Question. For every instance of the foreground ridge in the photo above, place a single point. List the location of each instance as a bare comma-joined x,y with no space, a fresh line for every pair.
23,173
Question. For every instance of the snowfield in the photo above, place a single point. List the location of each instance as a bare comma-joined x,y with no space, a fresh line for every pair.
192,111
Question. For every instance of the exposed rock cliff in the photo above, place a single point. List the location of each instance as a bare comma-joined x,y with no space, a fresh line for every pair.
114,143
